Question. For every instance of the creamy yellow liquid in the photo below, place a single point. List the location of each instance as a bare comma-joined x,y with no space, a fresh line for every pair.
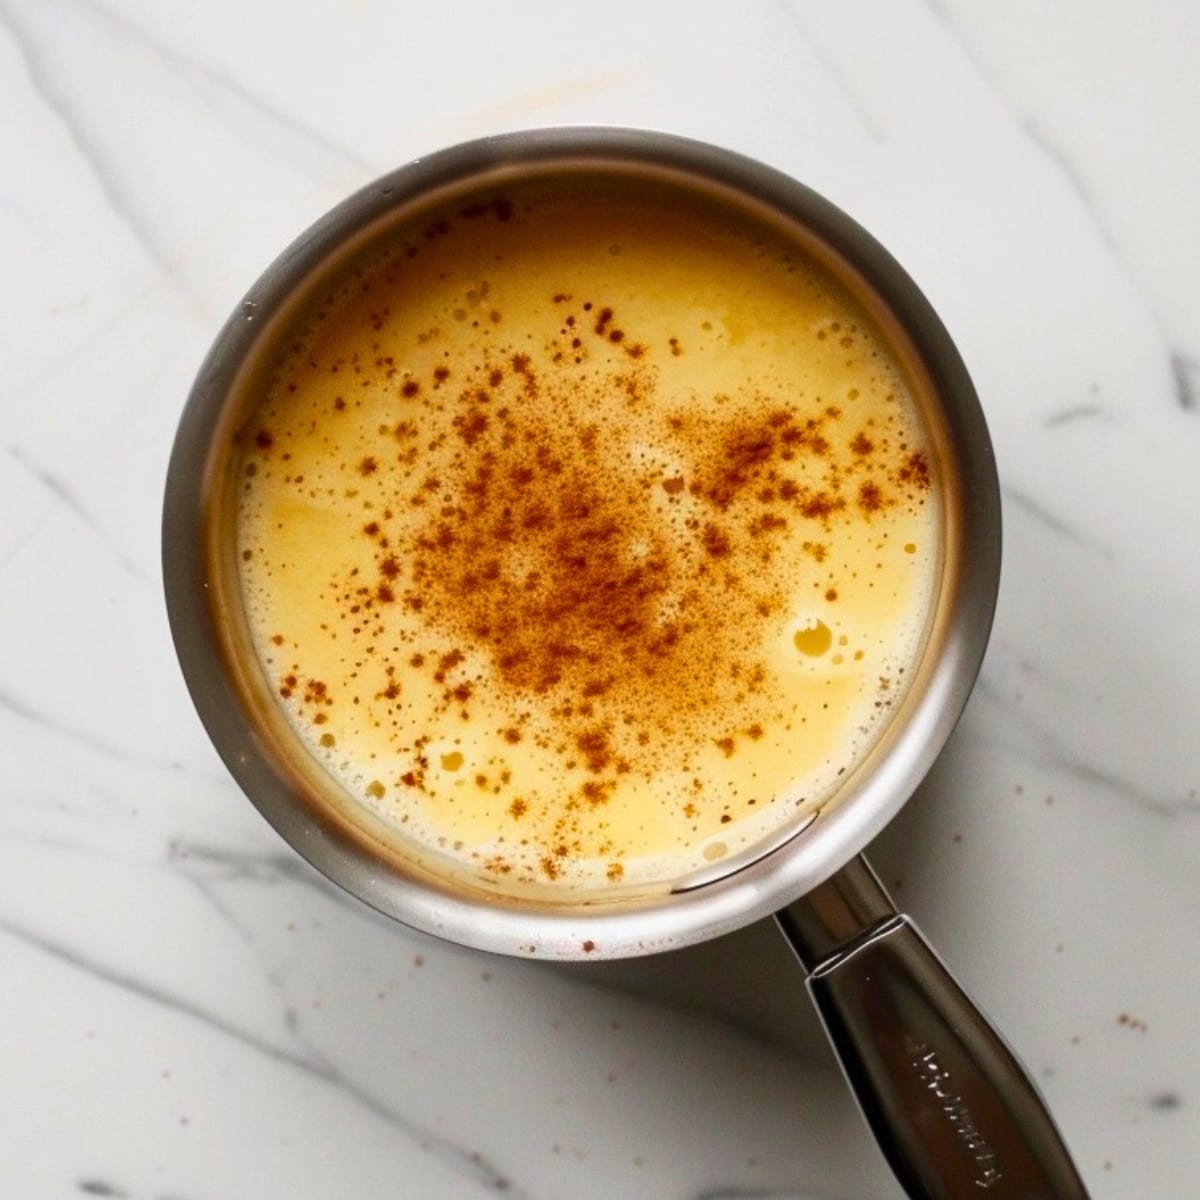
587,538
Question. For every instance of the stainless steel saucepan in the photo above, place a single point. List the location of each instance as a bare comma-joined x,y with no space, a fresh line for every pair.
952,1109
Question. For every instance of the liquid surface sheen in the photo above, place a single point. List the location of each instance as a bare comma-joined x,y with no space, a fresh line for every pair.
588,537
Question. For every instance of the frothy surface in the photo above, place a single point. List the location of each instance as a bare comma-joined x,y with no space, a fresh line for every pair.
588,538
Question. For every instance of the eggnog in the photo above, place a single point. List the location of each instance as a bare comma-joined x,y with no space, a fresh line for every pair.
589,532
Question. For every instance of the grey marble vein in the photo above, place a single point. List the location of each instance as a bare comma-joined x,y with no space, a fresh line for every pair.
1074,413
862,113
469,1164
21,23
1051,150
19,708
258,867
48,842
64,496
1181,364
736,1193
1056,524
42,79
195,861
22,537
253,867
1047,748
1186,371
267,868
1092,775
95,1186
249,99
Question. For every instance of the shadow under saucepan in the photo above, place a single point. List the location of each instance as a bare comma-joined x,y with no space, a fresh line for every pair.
748,980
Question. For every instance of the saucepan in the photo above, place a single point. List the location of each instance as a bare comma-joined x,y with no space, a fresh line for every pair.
951,1107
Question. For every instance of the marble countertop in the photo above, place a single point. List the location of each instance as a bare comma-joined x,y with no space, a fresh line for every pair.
188,1011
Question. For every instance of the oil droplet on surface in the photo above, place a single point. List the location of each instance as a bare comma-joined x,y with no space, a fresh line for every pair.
452,761
813,639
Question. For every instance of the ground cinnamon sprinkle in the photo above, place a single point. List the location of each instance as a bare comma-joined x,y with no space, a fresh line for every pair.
542,544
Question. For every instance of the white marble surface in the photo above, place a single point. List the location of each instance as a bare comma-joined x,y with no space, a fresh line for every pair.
187,1012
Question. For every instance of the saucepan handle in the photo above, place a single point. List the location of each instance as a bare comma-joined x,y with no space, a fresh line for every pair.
953,1111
